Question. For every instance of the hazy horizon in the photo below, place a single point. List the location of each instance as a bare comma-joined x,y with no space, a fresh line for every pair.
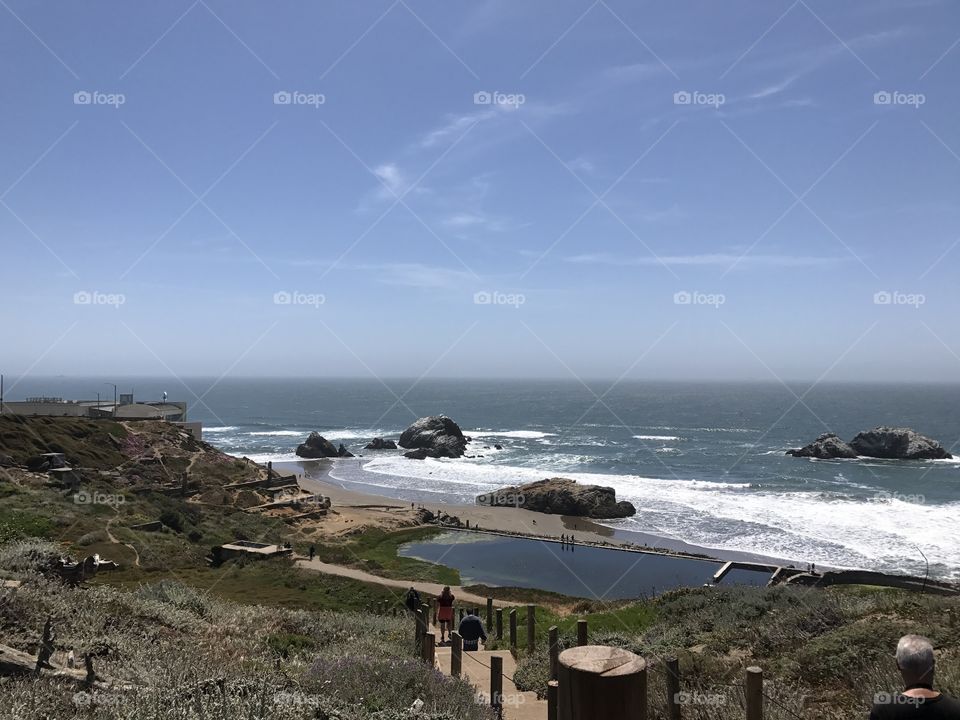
412,189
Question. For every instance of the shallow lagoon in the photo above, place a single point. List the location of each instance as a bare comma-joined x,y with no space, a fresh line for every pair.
588,572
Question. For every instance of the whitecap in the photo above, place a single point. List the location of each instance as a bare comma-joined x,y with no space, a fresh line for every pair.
656,437
515,434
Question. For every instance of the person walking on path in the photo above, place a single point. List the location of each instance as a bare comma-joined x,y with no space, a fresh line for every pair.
313,551
471,630
445,612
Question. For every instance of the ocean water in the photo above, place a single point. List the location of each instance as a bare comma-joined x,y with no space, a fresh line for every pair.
702,462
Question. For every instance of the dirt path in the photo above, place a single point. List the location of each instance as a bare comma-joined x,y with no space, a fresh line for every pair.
426,589
113,539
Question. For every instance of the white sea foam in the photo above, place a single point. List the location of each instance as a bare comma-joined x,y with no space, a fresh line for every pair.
657,437
223,428
515,434
279,433
823,527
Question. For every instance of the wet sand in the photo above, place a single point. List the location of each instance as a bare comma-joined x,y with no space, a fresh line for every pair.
358,508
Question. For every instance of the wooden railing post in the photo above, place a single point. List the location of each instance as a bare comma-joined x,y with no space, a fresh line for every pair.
601,682
499,624
461,614
554,651
673,688
513,627
420,629
489,614
581,633
456,654
429,649
552,688
754,693
496,681
531,628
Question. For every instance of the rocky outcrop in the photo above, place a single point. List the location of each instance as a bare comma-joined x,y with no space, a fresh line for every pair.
882,442
898,444
827,446
381,444
560,496
317,446
435,436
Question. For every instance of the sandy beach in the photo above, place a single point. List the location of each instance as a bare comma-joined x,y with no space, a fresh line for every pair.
355,509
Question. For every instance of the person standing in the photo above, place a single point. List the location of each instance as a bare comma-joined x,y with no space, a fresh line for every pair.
471,630
313,551
445,612
915,661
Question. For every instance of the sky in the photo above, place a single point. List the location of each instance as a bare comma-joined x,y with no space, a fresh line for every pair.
426,188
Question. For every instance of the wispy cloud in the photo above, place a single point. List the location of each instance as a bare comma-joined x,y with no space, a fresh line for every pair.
417,275
706,259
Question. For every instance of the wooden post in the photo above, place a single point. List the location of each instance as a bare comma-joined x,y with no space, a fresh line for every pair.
461,614
673,688
552,692
496,681
581,632
554,651
429,648
421,630
489,614
601,682
513,627
531,628
754,693
456,654
499,623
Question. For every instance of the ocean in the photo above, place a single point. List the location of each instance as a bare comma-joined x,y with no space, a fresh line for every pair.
702,462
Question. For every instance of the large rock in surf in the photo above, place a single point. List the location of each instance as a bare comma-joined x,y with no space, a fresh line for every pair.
560,496
825,447
317,446
882,442
381,444
435,436
898,444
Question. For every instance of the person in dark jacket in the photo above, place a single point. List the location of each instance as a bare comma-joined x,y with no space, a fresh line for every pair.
918,701
412,600
471,630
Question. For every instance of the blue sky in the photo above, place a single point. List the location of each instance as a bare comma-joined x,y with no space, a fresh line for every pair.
547,189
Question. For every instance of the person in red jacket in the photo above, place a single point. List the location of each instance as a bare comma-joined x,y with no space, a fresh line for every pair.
445,612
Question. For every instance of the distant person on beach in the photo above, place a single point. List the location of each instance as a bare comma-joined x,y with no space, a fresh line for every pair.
915,662
412,600
445,612
471,630
313,551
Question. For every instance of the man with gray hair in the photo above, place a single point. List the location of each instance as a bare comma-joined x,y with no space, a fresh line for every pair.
918,700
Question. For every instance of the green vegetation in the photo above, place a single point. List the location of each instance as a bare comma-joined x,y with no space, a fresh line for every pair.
86,442
375,551
825,652
276,583
176,652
